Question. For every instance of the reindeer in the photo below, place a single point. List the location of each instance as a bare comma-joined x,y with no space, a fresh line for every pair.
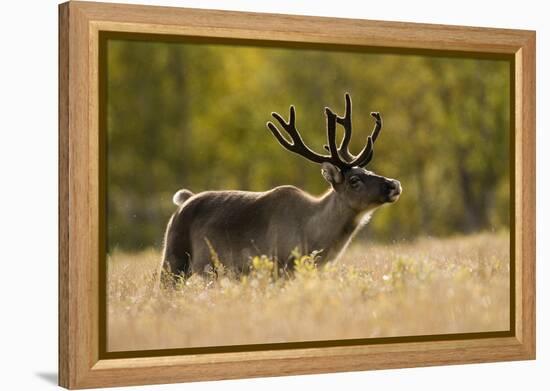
238,225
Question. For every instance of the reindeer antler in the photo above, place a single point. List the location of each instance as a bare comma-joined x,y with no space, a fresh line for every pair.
343,150
339,156
297,146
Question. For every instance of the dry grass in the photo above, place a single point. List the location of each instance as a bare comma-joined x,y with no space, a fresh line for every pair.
430,286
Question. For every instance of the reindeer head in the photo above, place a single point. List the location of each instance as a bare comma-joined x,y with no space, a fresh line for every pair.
361,189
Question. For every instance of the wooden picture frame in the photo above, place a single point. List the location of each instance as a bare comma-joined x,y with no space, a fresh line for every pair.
81,363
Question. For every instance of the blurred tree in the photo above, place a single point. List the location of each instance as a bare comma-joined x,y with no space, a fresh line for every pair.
193,116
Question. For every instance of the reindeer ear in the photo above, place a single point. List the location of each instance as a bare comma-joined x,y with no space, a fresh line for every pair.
332,174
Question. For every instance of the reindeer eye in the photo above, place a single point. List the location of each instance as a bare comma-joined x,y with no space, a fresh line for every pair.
354,181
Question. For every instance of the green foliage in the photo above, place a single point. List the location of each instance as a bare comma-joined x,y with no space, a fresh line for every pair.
193,116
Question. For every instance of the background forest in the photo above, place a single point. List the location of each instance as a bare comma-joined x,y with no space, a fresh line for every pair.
193,116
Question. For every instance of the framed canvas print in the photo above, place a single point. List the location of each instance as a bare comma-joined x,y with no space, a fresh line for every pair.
257,195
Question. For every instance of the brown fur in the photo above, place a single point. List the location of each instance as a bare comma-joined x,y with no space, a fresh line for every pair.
239,224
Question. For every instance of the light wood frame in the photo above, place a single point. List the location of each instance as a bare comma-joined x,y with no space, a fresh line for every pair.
80,365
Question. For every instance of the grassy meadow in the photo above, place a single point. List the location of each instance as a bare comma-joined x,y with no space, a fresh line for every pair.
429,286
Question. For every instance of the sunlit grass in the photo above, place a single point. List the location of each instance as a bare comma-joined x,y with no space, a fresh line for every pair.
430,286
